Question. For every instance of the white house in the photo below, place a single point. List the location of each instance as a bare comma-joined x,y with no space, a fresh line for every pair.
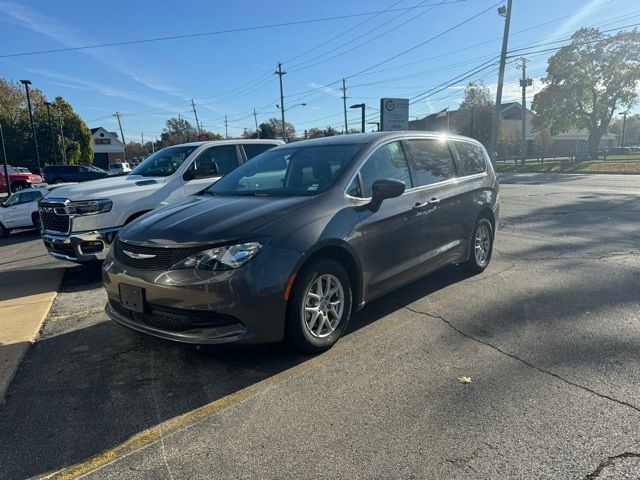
107,148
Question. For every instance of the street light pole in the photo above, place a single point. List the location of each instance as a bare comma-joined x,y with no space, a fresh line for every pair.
53,142
255,119
26,84
362,106
4,159
503,59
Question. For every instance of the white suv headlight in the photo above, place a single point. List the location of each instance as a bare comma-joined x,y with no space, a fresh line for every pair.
227,257
89,207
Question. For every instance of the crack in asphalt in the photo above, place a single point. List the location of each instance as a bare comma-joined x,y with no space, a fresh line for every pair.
522,360
608,462
594,256
513,220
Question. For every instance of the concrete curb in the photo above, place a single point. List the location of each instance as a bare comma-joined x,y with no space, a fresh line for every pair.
24,305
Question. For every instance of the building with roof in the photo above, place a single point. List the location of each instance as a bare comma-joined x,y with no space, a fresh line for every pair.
107,148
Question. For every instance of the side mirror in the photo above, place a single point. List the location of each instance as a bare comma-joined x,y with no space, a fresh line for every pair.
383,189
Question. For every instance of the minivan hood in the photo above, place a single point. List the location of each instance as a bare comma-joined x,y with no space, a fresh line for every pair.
107,187
207,220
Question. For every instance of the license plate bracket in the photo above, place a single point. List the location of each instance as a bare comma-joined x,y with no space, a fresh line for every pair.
132,297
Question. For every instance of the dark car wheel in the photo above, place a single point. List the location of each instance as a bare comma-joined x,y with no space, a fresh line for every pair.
319,306
4,232
58,180
481,246
35,218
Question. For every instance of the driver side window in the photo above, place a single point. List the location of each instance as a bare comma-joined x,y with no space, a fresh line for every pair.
14,200
214,162
388,161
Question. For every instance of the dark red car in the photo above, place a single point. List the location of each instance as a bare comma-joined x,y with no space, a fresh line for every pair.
19,179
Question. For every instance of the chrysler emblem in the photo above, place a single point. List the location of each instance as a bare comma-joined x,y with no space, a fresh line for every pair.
138,256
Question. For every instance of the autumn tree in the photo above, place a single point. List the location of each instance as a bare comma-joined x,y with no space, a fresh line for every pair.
476,113
587,81
273,129
631,129
542,141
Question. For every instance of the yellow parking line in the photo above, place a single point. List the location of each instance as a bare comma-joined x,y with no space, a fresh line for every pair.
169,427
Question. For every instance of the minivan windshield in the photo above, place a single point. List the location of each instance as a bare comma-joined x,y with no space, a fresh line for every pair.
164,162
288,171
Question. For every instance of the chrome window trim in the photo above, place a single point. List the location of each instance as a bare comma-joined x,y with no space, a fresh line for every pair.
356,200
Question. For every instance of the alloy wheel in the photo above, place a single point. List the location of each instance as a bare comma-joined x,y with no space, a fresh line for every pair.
482,245
323,305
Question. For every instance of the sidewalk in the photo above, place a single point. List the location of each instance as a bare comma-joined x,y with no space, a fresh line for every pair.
29,280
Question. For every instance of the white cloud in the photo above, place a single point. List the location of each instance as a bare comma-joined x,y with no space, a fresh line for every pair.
70,37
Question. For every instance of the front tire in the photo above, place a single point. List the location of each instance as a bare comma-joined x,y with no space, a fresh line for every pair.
319,307
481,247
35,218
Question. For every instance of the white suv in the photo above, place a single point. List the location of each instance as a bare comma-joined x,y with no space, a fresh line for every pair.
80,221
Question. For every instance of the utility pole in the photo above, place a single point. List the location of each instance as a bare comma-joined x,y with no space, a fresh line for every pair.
524,83
53,141
344,103
4,160
64,151
624,125
26,84
255,118
226,129
117,115
195,113
280,73
503,59
142,143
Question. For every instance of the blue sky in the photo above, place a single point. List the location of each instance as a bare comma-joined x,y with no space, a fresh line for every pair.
150,82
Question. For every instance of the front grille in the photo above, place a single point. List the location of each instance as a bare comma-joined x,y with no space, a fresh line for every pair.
51,220
154,319
162,258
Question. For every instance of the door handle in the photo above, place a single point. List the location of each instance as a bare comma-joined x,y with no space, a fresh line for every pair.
428,205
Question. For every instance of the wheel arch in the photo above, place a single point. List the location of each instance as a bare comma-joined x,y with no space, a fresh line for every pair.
133,216
346,256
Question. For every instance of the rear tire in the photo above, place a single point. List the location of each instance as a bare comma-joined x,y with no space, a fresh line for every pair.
35,218
319,306
481,247
4,232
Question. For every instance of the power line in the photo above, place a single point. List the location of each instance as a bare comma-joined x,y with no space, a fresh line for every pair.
205,34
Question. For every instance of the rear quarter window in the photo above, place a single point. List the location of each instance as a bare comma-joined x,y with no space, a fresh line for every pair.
253,149
471,158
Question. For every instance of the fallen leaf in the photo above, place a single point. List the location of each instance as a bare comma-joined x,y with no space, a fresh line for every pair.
464,379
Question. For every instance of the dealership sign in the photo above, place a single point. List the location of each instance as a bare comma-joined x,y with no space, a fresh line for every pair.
394,114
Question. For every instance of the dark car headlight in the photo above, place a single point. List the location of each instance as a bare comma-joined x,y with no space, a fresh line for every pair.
222,258
89,207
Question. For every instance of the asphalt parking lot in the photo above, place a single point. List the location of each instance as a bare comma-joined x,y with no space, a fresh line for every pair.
549,334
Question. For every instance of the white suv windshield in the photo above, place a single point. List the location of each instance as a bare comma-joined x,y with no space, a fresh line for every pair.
164,162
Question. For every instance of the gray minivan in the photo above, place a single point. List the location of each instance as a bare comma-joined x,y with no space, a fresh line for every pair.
291,242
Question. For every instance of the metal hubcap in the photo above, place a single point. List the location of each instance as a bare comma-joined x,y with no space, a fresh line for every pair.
323,305
482,245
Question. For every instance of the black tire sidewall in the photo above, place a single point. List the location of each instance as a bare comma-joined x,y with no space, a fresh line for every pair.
296,330
36,221
4,232
472,263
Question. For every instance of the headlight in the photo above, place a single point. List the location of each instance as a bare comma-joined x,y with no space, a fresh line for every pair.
220,258
89,207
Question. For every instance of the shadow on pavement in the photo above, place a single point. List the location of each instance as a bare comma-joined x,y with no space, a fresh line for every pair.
19,236
82,392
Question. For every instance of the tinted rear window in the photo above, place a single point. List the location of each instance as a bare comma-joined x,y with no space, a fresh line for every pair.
433,161
471,158
253,149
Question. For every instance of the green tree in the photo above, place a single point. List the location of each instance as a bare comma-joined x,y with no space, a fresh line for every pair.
273,129
178,130
14,116
476,110
588,80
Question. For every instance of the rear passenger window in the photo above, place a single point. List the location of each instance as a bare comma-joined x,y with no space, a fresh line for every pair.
433,161
253,149
389,161
471,158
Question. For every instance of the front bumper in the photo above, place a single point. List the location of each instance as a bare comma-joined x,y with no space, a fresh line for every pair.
245,305
81,247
